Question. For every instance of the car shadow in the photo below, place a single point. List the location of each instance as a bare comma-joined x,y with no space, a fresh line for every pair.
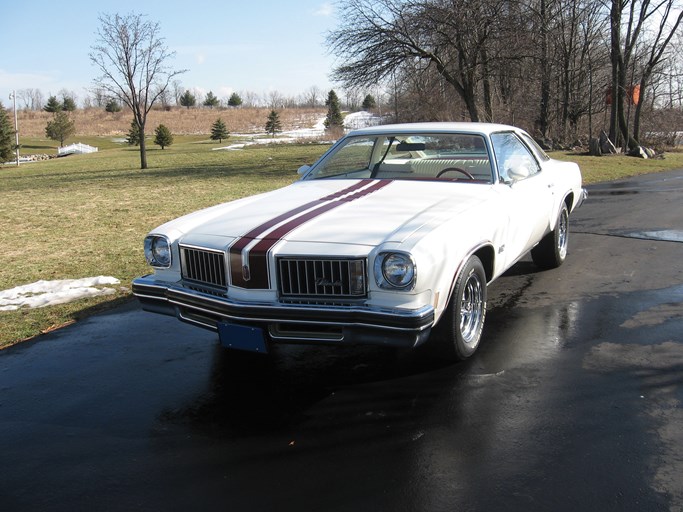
251,393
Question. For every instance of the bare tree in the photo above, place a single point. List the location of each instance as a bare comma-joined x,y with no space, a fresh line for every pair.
377,37
100,96
31,98
629,16
250,99
87,102
312,97
133,60
581,56
665,30
352,99
178,91
275,100
165,99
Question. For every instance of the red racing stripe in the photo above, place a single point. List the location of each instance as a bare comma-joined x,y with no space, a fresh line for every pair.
235,251
257,261
242,242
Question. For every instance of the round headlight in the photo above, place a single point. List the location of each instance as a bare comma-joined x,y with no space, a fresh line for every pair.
158,251
398,269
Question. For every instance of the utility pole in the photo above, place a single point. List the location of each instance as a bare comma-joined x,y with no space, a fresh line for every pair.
13,96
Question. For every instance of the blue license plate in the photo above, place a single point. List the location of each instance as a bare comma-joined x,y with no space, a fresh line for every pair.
241,337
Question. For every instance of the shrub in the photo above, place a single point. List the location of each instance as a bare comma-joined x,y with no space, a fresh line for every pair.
162,136
219,131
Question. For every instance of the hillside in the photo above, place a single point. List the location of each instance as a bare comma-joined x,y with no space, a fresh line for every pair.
181,121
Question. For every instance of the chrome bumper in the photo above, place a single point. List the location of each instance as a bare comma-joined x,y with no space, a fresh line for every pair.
355,324
582,197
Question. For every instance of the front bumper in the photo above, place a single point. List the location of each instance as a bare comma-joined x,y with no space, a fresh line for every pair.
582,198
289,322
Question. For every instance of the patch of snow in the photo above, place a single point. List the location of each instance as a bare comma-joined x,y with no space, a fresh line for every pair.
352,121
232,147
361,119
76,149
48,293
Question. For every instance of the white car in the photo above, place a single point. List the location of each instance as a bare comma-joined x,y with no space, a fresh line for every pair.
390,238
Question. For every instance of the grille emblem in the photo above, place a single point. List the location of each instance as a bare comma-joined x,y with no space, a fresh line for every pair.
246,275
321,281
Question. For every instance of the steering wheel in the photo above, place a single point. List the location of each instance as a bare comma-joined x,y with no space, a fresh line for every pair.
454,169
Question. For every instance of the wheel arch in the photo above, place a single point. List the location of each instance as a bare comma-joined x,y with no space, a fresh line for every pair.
486,254
569,201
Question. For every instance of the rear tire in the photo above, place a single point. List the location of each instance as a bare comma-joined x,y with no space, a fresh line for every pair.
459,329
552,249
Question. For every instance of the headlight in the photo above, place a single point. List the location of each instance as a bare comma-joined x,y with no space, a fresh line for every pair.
158,251
395,270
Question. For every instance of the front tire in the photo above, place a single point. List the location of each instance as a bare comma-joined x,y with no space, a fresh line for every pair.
551,251
460,328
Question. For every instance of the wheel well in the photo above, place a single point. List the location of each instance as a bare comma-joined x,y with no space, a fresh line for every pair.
487,255
569,201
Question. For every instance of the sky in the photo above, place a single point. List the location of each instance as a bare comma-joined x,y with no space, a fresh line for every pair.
256,46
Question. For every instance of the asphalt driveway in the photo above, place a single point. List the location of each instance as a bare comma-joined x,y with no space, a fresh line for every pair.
573,402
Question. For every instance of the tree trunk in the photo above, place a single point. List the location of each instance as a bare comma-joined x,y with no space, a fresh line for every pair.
615,54
639,108
629,141
143,150
545,74
486,79
470,101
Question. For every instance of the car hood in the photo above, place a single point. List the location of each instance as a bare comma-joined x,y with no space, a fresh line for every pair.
361,212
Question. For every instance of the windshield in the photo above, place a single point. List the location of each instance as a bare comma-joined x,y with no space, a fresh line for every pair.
443,156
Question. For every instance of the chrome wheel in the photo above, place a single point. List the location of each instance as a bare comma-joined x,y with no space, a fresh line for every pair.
472,306
563,234
551,251
459,330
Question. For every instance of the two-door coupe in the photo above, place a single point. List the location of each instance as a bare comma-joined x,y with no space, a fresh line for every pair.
390,238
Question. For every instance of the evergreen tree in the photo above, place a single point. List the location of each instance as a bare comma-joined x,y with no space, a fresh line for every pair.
273,124
219,131
235,100
188,99
68,104
112,106
6,136
369,102
133,136
211,100
334,117
60,128
53,105
162,136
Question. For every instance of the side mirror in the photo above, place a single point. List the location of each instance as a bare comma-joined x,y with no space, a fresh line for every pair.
303,170
518,172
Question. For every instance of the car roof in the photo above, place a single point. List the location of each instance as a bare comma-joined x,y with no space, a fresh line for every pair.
461,127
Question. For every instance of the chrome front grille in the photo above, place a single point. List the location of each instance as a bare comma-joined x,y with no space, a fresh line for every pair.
203,266
323,278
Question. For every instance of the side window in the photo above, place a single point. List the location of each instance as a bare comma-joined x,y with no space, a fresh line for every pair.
513,158
354,156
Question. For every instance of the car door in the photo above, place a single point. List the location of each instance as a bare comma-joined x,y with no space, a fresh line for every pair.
526,191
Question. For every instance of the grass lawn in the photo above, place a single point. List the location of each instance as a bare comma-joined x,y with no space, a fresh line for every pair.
87,215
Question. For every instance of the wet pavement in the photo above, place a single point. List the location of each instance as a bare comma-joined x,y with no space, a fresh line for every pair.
572,403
